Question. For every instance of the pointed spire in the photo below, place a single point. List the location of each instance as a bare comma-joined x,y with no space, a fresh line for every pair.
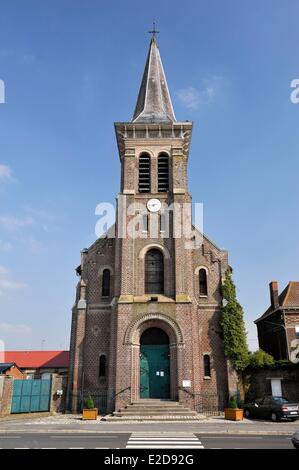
154,102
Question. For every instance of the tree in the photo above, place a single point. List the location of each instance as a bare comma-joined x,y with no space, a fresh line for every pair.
233,326
261,359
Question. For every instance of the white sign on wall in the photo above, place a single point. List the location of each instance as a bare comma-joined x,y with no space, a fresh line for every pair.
186,383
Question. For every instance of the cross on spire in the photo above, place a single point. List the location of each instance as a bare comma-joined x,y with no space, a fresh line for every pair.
153,102
154,32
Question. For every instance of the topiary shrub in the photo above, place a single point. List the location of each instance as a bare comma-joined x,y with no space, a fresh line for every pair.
89,403
233,403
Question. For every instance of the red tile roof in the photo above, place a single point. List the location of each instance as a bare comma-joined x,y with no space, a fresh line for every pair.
291,298
37,359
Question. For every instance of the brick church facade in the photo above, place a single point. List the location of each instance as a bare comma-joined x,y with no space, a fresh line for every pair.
146,321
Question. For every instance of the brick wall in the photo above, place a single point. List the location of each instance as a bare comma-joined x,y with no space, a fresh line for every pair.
58,402
257,382
14,372
5,404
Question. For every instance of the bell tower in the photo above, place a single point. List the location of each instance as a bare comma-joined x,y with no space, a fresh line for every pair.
153,149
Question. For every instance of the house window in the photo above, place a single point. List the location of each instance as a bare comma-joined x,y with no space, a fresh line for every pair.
154,272
144,182
297,331
203,284
102,366
106,283
207,365
163,173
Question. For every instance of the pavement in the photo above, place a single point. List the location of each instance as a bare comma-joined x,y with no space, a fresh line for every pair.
73,424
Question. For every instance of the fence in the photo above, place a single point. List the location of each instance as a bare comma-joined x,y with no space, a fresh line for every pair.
204,403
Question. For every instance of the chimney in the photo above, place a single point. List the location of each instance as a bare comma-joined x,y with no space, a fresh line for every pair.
274,294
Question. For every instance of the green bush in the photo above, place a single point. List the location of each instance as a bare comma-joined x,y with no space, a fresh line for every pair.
89,403
233,402
261,359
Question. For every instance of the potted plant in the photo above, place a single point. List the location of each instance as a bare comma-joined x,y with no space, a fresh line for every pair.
233,412
89,411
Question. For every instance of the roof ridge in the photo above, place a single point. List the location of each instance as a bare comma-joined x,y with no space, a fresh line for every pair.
287,289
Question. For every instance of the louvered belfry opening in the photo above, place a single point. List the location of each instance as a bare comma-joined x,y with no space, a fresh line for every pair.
154,272
163,173
144,183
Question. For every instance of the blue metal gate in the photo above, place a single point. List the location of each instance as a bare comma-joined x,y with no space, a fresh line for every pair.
30,396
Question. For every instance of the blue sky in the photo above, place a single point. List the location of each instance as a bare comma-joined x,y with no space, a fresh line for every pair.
73,67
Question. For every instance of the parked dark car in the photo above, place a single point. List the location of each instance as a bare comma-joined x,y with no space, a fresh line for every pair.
275,408
295,439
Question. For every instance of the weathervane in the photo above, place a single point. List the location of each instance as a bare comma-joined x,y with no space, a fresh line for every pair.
154,32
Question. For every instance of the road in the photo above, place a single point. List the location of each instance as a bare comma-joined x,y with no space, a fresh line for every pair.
128,440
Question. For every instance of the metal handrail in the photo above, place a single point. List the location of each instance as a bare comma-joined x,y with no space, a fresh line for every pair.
187,391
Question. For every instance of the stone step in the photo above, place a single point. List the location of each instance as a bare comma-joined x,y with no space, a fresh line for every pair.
156,407
154,413
154,410
156,403
155,400
152,419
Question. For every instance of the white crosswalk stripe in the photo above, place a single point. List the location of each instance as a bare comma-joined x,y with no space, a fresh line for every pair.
163,441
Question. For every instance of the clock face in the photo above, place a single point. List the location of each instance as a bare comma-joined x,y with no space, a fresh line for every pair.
154,205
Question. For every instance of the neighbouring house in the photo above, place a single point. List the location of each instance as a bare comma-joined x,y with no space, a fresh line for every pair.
278,327
11,369
39,364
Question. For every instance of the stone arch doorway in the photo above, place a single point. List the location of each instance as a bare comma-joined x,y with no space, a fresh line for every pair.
132,339
154,364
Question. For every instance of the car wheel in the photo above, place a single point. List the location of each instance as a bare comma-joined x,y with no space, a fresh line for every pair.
273,417
247,413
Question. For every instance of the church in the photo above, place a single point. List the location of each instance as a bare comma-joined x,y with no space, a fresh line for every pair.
146,319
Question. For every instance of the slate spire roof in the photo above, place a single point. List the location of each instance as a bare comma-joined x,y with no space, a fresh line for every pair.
154,102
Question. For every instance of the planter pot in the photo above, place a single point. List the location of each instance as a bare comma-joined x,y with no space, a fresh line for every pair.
90,413
234,414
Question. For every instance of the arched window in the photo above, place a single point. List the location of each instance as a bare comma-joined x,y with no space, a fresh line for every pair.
207,365
102,366
203,284
106,283
154,272
144,181
163,173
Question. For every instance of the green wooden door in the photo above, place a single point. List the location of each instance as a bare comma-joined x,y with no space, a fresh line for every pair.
154,371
